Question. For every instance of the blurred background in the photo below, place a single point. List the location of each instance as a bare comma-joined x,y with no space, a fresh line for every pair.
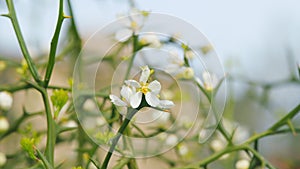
257,42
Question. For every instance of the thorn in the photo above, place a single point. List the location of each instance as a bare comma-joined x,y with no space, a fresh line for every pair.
66,16
290,124
5,15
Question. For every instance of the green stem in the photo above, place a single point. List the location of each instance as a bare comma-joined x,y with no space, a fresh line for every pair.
134,50
115,140
285,119
54,43
13,17
51,129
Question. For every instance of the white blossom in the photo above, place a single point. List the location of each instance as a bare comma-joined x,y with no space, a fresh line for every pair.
183,149
70,124
217,145
171,140
2,159
89,105
161,117
133,92
210,81
151,39
187,73
189,54
242,164
6,101
4,124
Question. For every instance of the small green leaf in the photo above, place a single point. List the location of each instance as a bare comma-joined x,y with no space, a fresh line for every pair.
28,146
59,98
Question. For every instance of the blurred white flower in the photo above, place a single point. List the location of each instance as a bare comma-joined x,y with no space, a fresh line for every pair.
217,145
210,81
150,39
189,54
4,124
123,35
175,62
183,149
6,101
100,121
242,164
133,92
89,105
2,159
161,117
70,124
187,73
171,140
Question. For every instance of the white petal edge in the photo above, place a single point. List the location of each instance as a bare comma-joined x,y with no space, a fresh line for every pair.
155,86
135,100
132,83
117,101
152,99
126,92
145,74
166,104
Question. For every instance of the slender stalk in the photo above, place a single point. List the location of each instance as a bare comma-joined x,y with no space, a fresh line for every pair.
285,119
51,129
115,140
13,17
134,50
54,43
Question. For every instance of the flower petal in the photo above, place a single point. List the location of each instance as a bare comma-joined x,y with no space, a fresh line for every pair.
132,83
135,100
155,87
126,92
145,74
152,99
166,104
117,101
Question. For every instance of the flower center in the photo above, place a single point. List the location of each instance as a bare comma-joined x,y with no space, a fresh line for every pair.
144,88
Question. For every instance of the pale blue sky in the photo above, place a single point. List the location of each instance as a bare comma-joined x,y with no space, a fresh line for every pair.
251,31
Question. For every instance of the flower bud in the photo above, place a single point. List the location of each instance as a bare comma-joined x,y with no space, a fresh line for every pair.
4,125
242,164
6,101
2,159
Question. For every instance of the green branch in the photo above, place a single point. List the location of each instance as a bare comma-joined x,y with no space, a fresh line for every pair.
54,44
13,17
116,139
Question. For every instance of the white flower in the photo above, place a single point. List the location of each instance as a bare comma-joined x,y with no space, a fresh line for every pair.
133,92
2,159
172,140
161,117
89,105
187,73
70,124
4,125
6,101
126,93
217,145
183,149
242,164
210,81
176,62
189,54
100,121
151,39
